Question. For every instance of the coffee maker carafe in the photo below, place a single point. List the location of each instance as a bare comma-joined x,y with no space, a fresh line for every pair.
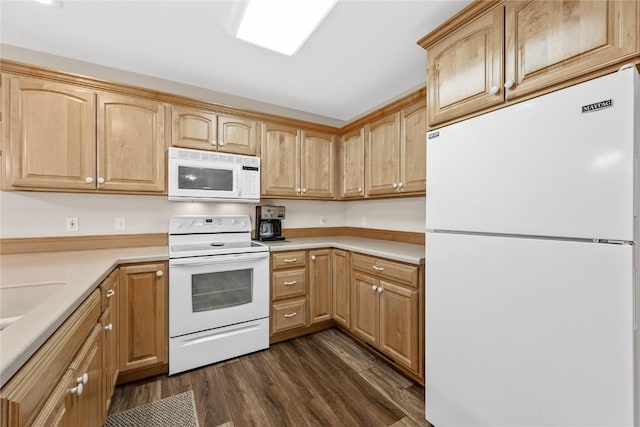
268,222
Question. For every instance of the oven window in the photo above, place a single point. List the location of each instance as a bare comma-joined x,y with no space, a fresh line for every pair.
190,178
211,291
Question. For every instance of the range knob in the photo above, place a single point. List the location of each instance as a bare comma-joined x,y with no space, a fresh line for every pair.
233,221
243,223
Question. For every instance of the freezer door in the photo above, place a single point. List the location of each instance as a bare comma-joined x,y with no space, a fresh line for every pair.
527,332
541,167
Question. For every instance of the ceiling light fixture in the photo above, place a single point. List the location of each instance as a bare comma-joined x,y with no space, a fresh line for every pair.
53,3
282,25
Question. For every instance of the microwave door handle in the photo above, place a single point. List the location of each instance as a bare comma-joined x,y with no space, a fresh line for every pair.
217,259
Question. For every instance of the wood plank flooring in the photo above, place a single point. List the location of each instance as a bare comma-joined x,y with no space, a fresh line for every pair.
324,379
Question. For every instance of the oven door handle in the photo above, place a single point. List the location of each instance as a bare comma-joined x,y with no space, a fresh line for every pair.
218,259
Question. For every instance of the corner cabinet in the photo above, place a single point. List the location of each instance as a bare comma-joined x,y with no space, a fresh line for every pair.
320,289
144,333
341,295
296,163
61,136
352,164
541,46
206,130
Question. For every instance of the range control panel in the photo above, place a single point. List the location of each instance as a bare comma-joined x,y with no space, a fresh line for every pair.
185,224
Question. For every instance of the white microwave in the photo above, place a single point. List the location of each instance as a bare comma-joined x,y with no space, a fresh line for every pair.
196,175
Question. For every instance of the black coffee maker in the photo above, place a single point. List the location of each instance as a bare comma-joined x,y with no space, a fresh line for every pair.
268,222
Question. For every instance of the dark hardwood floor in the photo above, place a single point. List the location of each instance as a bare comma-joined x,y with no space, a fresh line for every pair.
324,379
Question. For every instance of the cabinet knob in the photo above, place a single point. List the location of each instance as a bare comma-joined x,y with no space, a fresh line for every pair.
110,293
359,189
304,190
494,90
109,327
313,257
83,379
220,143
374,288
77,389
394,185
159,273
88,180
508,84
380,289
298,190
400,185
100,180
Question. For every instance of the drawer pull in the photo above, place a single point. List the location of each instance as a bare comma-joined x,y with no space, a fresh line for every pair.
83,379
291,260
290,315
77,389
110,293
375,267
291,283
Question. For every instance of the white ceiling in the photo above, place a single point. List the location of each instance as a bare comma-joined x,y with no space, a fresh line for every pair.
363,55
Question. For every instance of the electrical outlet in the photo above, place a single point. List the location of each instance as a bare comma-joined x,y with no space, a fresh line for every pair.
121,223
72,223
323,220
363,220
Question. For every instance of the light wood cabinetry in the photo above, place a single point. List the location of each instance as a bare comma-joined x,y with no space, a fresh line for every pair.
288,291
320,285
87,403
341,289
352,164
541,46
395,153
143,316
66,137
111,326
296,163
385,308
205,130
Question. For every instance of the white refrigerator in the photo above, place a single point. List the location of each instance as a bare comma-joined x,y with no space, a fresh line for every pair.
531,259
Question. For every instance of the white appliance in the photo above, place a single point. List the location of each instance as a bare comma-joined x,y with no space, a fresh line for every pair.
218,290
196,175
532,252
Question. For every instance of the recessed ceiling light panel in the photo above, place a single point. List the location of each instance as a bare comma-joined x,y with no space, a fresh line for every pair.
53,3
282,25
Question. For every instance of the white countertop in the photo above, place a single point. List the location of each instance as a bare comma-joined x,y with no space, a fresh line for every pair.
405,252
81,271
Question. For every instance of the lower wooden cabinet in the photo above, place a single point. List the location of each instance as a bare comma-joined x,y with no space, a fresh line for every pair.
341,297
288,291
289,314
144,328
110,324
86,406
320,288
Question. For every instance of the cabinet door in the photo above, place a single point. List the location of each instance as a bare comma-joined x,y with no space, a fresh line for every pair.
51,134
464,67
237,135
131,144
413,148
316,156
341,288
399,324
320,286
110,367
553,41
280,161
88,407
193,128
58,410
144,335
365,308
383,153
352,152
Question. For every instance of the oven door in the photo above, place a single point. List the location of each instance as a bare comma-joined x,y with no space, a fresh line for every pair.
197,180
213,291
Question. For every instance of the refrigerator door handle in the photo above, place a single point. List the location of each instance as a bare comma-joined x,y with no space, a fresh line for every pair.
635,299
636,183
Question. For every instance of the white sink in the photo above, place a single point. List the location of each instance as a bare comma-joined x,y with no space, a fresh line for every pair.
16,300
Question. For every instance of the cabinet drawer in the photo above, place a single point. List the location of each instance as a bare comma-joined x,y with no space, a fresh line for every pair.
289,259
288,283
108,289
407,274
288,315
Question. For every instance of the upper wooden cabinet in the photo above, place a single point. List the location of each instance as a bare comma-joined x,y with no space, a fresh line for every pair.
465,69
553,41
352,163
51,139
541,45
206,130
131,144
65,137
395,153
296,163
